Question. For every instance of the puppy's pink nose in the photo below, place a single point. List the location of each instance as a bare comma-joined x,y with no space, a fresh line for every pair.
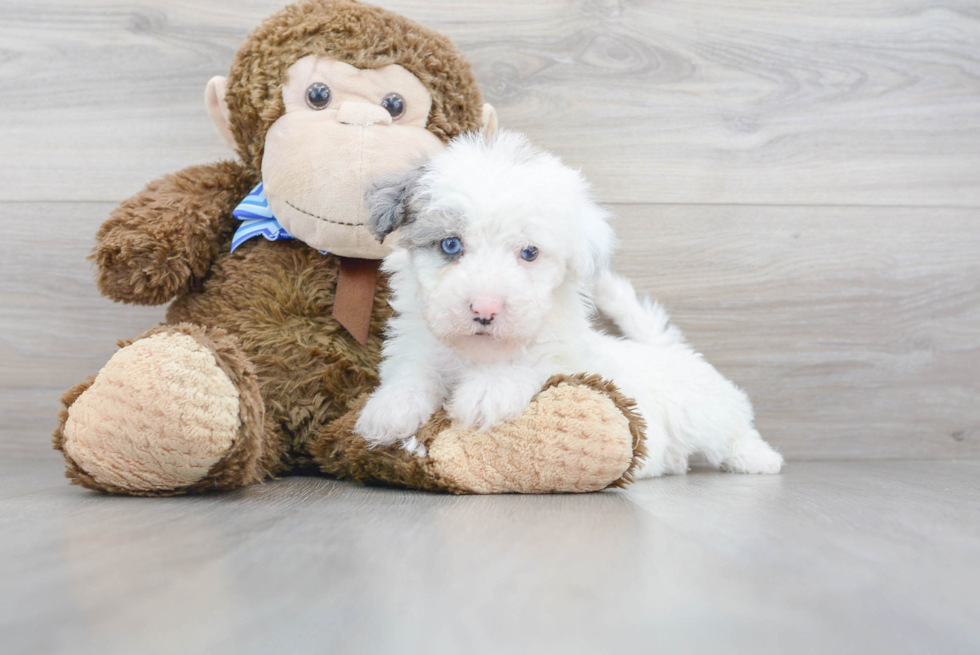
486,308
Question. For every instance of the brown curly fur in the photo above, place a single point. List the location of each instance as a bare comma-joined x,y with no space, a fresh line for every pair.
277,298
358,34
161,241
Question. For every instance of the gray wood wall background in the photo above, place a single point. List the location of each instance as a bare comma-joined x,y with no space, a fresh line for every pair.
798,181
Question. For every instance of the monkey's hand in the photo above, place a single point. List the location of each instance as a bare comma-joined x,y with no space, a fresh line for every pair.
157,242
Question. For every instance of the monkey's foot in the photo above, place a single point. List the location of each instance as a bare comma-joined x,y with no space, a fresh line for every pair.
176,411
579,434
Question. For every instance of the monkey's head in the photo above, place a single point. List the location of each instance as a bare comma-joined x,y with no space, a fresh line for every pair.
327,95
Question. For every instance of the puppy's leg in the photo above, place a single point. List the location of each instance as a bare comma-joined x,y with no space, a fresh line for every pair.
489,395
724,432
749,453
675,461
411,391
657,461
705,412
395,412
729,438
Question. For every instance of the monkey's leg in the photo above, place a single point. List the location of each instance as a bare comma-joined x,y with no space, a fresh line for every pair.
578,434
176,411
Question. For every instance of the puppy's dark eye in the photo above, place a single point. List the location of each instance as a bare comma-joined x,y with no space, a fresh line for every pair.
318,95
452,246
395,104
529,254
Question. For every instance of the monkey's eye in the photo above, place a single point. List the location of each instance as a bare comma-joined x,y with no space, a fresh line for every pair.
452,246
395,104
318,95
529,254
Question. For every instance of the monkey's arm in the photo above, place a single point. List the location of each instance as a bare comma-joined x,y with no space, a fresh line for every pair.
161,239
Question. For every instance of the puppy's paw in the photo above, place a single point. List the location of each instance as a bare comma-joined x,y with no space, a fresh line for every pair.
393,415
416,447
753,455
676,464
485,402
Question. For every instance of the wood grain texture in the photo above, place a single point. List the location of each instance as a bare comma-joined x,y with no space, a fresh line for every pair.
855,330
842,557
760,102
55,328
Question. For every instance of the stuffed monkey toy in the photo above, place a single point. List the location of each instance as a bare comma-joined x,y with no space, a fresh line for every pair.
273,334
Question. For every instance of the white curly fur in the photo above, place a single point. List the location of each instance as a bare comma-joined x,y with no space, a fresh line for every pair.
498,198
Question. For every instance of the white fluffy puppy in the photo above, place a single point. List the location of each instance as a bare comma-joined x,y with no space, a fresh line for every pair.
502,254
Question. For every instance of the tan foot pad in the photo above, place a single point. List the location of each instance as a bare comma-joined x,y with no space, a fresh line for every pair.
158,416
569,439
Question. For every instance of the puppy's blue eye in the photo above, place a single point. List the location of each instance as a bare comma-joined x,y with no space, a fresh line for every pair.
452,246
529,254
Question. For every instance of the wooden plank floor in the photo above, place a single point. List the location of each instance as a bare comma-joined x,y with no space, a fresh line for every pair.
831,557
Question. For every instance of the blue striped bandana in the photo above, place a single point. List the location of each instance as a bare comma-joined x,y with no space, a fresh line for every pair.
256,217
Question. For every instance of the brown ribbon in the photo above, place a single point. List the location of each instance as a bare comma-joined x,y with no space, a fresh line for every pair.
354,300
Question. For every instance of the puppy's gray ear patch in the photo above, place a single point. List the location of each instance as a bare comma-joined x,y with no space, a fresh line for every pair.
388,201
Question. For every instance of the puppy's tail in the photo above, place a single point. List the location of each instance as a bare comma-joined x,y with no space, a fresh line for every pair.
644,320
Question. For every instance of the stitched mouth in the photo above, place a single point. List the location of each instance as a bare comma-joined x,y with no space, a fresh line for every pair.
322,218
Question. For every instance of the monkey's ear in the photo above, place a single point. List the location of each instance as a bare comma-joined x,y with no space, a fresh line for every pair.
489,121
214,99
388,200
